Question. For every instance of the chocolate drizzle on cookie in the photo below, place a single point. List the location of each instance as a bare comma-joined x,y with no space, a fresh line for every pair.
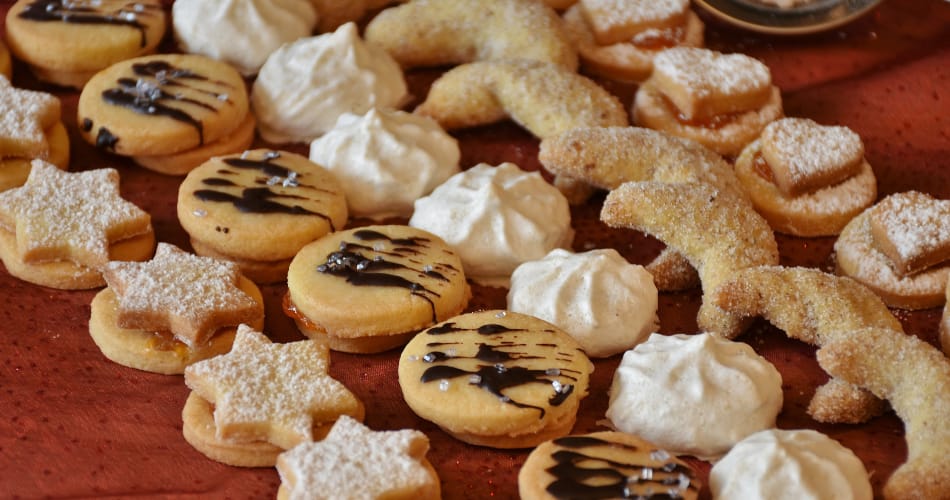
158,84
499,355
580,471
90,12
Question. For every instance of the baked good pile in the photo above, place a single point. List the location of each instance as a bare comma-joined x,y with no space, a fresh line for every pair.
319,182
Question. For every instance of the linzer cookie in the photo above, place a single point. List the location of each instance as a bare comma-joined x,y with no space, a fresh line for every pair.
67,41
807,179
722,101
261,398
258,208
169,112
370,289
900,248
605,465
171,311
31,128
60,229
496,378
356,462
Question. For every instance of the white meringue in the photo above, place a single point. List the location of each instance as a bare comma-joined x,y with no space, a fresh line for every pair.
790,465
607,304
496,218
306,85
694,394
241,32
386,159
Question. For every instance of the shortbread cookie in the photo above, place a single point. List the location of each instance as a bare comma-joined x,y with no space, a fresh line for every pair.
362,463
807,179
6,63
496,217
722,101
614,21
945,324
606,303
704,393
605,465
171,311
163,105
258,208
802,464
370,289
60,229
67,42
305,86
181,163
631,58
900,248
31,129
241,32
496,378
261,398
444,32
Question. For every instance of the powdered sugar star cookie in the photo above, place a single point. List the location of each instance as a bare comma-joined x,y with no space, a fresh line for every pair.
26,115
360,462
271,392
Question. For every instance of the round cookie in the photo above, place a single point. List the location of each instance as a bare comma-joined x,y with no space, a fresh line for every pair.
604,465
67,42
199,430
181,163
161,105
370,289
258,208
496,378
6,64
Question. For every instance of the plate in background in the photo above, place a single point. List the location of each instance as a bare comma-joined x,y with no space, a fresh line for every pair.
810,16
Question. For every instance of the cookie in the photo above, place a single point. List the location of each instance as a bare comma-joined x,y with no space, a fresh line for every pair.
166,313
261,398
31,129
60,228
163,105
722,101
448,32
496,378
258,208
807,179
945,324
6,64
67,42
370,289
604,465
614,21
361,462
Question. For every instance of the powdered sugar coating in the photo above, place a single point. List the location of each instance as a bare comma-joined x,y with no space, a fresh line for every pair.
26,114
808,153
619,20
915,223
706,71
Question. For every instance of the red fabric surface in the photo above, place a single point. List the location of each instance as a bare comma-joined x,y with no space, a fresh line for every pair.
74,424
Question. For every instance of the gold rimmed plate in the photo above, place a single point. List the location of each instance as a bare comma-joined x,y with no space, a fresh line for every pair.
805,16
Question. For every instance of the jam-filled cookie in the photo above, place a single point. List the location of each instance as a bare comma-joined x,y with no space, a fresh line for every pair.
169,112
258,208
496,378
31,129
370,289
67,41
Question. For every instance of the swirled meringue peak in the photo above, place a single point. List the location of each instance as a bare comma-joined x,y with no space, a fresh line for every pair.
607,304
386,160
496,218
306,85
694,394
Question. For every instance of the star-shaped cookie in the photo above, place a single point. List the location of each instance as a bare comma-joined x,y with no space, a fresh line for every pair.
361,462
69,216
26,115
271,392
176,291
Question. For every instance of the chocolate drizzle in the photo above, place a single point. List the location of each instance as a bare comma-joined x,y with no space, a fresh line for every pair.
78,12
105,139
260,198
580,472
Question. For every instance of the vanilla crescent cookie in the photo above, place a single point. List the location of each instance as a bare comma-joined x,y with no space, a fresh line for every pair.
67,41
250,404
32,128
604,465
722,101
164,314
259,208
442,32
496,378
60,229
372,288
900,249
807,179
